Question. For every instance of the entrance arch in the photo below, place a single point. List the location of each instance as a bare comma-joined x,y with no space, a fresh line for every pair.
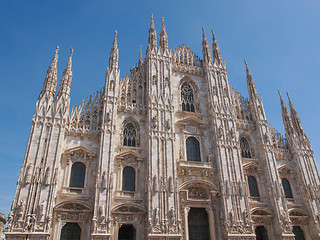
198,224
127,232
261,233
298,233
70,231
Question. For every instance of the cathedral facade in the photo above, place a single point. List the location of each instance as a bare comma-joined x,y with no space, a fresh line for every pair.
168,151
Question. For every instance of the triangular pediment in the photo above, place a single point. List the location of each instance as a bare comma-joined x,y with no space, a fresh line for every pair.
190,120
129,154
80,150
285,168
128,209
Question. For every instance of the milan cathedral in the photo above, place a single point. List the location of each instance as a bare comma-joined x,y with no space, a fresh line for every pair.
168,151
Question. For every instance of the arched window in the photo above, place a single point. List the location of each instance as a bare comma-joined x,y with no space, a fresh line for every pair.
246,151
261,233
129,135
287,188
253,186
193,149
78,172
187,98
298,233
128,179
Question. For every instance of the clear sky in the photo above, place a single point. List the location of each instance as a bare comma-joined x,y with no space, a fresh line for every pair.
279,39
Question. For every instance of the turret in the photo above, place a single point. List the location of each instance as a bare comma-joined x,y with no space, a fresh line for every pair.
163,37
205,48
50,82
216,51
65,85
152,40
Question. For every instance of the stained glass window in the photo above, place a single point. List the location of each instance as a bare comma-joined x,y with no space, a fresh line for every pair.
129,135
187,98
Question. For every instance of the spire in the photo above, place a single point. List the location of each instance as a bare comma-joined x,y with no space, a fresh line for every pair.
285,116
50,82
114,53
65,85
250,83
295,118
216,50
205,48
140,57
163,37
152,40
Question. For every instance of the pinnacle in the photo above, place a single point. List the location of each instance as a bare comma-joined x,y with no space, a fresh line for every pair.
115,41
152,23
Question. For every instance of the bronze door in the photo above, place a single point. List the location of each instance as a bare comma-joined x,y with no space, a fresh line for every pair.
70,231
198,224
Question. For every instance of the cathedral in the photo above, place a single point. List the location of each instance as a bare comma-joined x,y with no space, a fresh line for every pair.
167,151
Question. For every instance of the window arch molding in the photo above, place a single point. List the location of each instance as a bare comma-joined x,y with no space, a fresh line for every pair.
188,95
130,133
246,146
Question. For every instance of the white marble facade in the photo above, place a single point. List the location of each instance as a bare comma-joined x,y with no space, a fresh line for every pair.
168,151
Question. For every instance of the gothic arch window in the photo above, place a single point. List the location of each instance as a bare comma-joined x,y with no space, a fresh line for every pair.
246,150
128,179
129,135
287,188
193,149
187,97
253,186
78,172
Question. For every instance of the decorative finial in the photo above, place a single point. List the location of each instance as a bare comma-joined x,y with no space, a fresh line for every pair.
71,52
57,49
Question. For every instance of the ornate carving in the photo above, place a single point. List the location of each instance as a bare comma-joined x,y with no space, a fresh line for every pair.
197,193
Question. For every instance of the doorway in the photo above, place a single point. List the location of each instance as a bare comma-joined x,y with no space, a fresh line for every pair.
127,232
70,231
298,233
198,224
261,233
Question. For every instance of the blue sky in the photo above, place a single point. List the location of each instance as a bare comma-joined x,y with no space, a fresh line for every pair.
279,39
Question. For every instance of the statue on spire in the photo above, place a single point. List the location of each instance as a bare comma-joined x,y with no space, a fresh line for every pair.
65,85
286,117
296,122
216,50
50,82
152,40
114,53
163,37
205,48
